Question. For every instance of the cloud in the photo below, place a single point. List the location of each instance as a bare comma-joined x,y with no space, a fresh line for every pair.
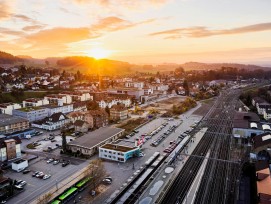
4,10
7,31
33,27
200,31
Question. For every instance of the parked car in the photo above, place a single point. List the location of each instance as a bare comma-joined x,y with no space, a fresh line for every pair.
141,154
135,131
107,181
22,184
46,176
18,187
65,163
56,162
53,140
40,174
49,161
26,171
18,182
35,173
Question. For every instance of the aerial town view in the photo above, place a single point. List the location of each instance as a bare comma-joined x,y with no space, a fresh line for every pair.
135,101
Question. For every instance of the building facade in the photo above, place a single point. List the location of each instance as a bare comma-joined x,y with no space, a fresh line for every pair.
7,108
10,149
31,113
10,124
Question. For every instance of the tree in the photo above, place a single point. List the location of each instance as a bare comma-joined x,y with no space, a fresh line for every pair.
179,72
186,87
107,110
47,62
96,170
44,199
64,139
93,105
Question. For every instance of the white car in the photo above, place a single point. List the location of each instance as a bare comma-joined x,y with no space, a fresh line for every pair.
46,176
49,161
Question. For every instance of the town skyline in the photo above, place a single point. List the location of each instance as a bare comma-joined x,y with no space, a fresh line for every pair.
164,31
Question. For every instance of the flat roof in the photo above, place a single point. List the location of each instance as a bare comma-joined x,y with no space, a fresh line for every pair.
28,109
117,147
9,119
91,139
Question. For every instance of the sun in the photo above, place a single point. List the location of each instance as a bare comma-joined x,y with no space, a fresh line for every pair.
98,53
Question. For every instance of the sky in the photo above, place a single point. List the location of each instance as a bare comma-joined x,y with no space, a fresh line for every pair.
139,31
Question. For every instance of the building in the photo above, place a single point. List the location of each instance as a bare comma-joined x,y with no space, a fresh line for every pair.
59,99
134,84
84,116
54,122
31,113
110,101
261,144
78,96
19,165
79,106
100,118
54,108
246,125
6,188
35,102
7,108
267,114
262,107
10,124
10,149
117,152
118,112
81,126
136,92
263,182
89,143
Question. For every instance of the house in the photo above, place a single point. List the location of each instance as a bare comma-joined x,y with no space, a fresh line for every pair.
10,149
59,99
57,108
263,182
118,112
10,124
7,108
110,101
261,144
257,100
267,114
100,118
31,113
81,126
54,122
78,96
261,107
89,143
84,116
30,102
79,106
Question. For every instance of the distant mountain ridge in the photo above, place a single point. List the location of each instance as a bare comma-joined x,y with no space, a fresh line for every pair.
106,66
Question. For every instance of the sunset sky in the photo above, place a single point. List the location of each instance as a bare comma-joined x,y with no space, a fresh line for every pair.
139,31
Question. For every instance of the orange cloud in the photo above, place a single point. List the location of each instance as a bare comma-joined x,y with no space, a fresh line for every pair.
33,27
4,10
200,31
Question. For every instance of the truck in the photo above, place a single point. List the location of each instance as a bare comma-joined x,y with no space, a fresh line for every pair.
19,165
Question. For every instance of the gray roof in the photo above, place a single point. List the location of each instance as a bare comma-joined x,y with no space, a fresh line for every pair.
9,119
93,138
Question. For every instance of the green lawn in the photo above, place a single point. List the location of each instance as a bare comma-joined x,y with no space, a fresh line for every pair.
18,98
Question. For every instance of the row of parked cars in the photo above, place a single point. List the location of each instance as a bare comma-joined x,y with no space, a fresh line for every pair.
57,161
163,136
171,147
132,134
41,175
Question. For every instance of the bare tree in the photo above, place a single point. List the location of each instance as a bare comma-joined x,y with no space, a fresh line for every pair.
44,199
96,170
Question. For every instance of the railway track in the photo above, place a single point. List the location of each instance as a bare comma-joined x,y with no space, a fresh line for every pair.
217,182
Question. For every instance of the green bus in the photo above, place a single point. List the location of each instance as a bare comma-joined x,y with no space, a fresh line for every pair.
56,202
68,195
81,185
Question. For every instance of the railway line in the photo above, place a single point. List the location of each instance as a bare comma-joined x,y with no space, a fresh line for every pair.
219,179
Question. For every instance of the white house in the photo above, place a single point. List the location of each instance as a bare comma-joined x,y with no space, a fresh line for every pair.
60,108
10,149
54,122
134,84
59,99
103,103
30,102
267,114
7,108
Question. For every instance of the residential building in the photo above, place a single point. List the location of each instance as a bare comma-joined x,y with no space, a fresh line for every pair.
110,101
10,149
134,84
54,108
31,113
31,102
89,143
78,96
267,114
261,107
54,122
136,92
100,118
7,108
81,126
76,115
119,153
79,106
59,99
10,124
263,182
118,112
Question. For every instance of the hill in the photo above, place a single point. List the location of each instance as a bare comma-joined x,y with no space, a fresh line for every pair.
93,66
206,66
6,58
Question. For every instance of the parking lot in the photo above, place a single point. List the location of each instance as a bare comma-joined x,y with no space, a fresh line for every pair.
36,186
120,172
